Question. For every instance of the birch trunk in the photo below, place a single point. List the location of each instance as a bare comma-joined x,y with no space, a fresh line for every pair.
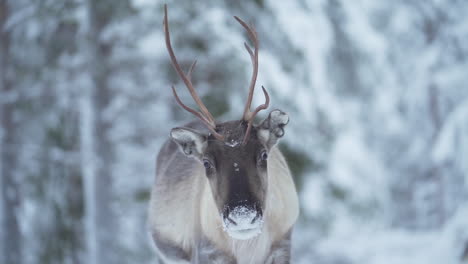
98,180
11,235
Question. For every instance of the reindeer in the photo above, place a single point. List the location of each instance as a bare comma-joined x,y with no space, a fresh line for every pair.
223,192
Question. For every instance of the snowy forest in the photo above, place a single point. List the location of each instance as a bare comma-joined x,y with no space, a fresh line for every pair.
377,94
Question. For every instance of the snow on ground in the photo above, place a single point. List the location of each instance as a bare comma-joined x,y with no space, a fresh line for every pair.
371,245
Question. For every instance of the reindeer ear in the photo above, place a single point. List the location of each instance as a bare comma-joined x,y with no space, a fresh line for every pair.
272,128
190,142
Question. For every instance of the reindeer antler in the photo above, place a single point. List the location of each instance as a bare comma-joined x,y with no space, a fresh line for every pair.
205,116
248,115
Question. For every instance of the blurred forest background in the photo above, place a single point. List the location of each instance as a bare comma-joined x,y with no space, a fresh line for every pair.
377,93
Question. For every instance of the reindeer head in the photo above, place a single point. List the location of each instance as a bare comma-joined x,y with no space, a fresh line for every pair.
234,154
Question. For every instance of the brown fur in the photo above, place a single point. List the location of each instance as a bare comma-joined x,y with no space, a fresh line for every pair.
186,204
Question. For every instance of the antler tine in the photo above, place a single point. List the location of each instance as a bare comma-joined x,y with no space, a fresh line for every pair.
258,109
262,106
205,116
197,114
248,115
189,74
182,75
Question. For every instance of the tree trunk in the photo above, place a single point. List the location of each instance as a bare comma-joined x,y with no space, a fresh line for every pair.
100,181
11,235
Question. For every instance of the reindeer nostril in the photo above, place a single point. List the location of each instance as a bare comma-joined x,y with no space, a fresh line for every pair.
257,217
232,221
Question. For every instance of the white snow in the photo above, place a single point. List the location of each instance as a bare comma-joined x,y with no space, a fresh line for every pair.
278,116
376,91
88,164
450,142
244,228
232,143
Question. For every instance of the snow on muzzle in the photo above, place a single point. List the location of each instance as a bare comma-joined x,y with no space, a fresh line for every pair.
242,222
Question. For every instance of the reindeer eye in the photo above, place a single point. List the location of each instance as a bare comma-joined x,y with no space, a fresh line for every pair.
207,164
264,155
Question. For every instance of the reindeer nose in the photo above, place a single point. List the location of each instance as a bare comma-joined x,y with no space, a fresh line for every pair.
242,216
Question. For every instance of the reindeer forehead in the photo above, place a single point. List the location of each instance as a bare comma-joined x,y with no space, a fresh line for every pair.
234,150
232,131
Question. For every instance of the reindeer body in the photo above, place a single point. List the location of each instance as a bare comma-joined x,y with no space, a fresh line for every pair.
186,224
223,191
